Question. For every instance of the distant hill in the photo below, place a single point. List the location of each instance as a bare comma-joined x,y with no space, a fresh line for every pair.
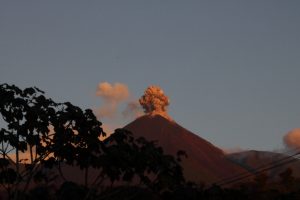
206,163
272,162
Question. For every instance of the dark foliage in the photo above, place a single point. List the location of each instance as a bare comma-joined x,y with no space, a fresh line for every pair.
53,134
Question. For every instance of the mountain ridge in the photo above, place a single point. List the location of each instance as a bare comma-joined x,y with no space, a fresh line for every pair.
254,160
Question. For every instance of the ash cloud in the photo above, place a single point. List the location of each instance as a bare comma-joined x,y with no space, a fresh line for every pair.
154,101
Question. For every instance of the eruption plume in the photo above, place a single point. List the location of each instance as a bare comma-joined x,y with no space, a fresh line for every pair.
154,101
292,138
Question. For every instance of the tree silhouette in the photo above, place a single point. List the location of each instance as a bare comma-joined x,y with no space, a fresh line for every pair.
26,114
61,133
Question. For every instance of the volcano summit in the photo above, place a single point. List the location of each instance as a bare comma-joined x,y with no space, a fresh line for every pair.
205,163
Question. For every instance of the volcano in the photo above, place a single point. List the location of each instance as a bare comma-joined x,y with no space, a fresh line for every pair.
205,163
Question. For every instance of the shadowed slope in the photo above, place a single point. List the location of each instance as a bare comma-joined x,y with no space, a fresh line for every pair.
205,162
271,163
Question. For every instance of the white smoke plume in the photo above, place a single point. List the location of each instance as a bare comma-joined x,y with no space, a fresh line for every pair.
292,138
113,95
154,101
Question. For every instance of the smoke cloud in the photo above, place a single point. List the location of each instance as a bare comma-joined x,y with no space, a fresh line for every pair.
113,95
133,110
116,92
292,138
154,101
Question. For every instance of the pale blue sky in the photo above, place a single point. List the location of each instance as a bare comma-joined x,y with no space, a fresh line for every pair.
230,68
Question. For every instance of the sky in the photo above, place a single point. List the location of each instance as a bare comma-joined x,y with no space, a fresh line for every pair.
230,68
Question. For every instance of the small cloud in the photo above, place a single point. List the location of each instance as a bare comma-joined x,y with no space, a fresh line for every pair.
292,138
112,95
115,92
